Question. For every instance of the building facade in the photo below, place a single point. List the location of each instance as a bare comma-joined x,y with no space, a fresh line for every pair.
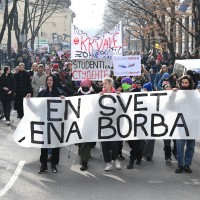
56,29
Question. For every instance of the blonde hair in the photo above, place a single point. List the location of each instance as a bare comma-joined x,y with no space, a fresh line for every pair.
109,79
21,63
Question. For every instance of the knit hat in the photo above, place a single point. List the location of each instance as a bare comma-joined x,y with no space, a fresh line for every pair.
56,67
166,75
148,86
85,83
127,80
165,83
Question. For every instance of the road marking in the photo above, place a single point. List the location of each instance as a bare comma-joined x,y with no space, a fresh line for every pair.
13,178
76,168
115,177
155,181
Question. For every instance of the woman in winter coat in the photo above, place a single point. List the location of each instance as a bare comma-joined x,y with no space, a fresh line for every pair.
84,148
51,90
7,88
110,148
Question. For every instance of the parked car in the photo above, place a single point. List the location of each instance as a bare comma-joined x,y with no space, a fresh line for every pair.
181,66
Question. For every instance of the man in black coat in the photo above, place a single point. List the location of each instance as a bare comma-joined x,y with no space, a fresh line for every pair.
23,87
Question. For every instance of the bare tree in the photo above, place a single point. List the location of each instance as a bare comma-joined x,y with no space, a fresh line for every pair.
7,15
155,14
196,19
36,12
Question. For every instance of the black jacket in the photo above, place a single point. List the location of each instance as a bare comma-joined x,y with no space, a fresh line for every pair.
9,82
45,93
23,84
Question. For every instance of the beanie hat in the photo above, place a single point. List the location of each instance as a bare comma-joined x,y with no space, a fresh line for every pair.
85,83
165,83
55,67
166,75
127,80
148,86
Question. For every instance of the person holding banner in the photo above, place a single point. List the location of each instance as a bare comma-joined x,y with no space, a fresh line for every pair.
149,144
167,143
84,148
135,145
184,158
110,148
50,91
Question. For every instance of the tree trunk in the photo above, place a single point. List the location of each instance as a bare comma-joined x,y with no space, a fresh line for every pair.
7,17
24,30
196,13
32,43
9,42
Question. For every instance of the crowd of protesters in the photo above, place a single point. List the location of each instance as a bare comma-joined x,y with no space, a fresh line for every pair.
37,74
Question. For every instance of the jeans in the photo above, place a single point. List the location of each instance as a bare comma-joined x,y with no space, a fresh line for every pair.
54,156
185,158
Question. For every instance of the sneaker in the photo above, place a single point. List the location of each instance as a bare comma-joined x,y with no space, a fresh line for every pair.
179,169
120,157
42,169
117,164
53,168
7,122
168,161
108,166
187,169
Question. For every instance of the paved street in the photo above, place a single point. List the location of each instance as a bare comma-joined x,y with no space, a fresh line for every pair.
150,180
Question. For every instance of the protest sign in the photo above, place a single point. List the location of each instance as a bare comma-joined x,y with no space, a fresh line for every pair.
93,69
55,122
127,65
82,45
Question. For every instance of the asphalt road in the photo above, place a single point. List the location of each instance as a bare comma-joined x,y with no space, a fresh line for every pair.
151,180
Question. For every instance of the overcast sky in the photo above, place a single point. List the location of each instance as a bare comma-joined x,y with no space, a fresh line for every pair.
89,13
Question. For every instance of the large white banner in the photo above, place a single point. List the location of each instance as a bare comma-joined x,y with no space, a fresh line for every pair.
127,65
82,45
55,122
93,69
